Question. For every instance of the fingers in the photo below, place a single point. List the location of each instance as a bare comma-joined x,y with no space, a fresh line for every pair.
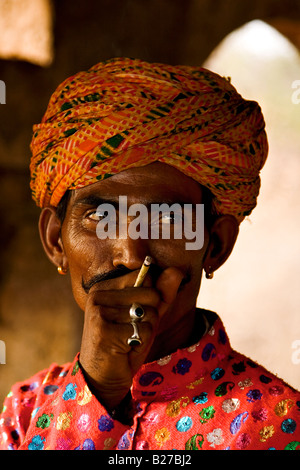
108,327
164,292
118,302
110,308
113,336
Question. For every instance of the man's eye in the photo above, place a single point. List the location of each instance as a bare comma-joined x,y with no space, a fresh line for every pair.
171,218
166,218
96,216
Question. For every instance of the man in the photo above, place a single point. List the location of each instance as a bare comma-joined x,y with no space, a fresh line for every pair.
161,375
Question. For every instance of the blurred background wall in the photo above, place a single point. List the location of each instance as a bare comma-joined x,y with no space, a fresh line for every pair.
41,43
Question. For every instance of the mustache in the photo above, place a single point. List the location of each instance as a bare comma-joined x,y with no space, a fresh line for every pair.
113,274
121,270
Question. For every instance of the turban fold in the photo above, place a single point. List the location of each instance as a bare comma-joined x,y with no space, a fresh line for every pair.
125,113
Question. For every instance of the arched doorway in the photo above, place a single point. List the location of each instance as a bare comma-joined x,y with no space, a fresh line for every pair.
256,293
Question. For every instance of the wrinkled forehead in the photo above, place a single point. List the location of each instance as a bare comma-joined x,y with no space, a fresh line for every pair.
156,182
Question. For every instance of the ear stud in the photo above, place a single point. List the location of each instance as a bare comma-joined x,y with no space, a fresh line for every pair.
62,270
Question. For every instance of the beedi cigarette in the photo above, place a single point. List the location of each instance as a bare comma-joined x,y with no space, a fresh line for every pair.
136,315
143,271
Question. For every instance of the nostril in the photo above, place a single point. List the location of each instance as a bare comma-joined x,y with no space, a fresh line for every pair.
129,253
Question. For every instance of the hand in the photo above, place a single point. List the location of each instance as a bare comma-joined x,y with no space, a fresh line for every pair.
109,363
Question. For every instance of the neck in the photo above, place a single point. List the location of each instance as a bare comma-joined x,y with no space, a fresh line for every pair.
186,332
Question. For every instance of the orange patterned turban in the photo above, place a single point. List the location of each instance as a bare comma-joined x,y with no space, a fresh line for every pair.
125,113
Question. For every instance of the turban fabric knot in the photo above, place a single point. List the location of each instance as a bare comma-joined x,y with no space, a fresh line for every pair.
125,113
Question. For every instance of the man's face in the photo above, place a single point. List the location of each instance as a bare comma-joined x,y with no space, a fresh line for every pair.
92,260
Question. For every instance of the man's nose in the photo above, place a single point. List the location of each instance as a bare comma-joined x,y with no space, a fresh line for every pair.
130,253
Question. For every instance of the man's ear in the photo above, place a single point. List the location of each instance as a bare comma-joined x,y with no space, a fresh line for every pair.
50,233
222,238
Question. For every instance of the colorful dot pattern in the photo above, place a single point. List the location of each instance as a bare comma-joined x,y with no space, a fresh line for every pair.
204,397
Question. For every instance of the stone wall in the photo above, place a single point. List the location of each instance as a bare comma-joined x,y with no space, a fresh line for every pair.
39,320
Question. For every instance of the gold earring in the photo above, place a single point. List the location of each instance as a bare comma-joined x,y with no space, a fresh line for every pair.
62,270
209,274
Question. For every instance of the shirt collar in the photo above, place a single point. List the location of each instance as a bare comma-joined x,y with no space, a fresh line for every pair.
184,368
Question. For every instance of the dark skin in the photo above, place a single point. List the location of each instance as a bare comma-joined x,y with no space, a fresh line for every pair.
169,292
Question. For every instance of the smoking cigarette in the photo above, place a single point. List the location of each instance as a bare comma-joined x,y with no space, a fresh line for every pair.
143,271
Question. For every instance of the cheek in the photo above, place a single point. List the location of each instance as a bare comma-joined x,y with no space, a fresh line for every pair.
87,256
181,252
191,261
